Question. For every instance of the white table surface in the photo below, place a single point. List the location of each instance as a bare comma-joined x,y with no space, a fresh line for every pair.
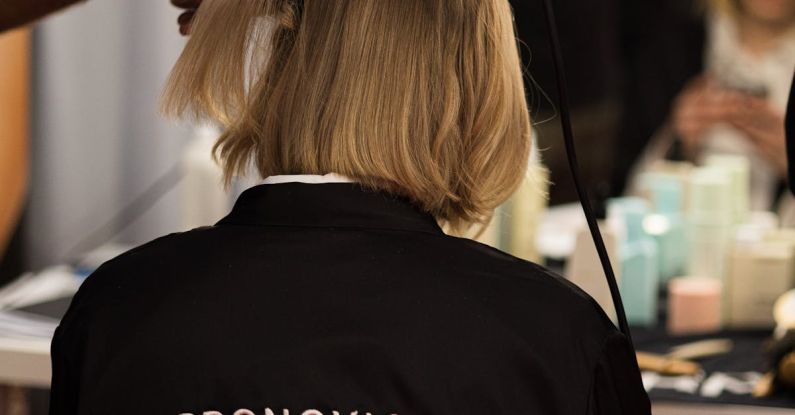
690,409
25,362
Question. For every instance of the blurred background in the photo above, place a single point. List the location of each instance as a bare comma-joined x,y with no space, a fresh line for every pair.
96,140
678,112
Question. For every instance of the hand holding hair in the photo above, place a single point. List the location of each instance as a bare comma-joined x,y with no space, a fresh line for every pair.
186,19
16,13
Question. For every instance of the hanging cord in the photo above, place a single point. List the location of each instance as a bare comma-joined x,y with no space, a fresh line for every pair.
568,137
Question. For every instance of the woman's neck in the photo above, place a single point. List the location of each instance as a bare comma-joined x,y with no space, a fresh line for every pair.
758,37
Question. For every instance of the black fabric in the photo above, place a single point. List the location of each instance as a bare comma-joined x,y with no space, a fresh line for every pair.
334,298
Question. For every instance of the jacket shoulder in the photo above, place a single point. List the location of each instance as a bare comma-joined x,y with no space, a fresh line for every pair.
134,268
529,280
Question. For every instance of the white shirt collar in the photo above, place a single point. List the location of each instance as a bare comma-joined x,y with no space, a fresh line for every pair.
308,178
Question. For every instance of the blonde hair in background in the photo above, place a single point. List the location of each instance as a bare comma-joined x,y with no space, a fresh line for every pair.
730,7
420,98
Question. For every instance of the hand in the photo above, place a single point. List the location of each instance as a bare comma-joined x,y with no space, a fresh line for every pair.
700,106
186,19
764,126
16,13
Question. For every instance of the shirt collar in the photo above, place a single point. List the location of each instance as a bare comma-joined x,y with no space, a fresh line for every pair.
308,179
335,204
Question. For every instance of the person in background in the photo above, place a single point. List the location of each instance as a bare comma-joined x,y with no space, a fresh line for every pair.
715,83
331,287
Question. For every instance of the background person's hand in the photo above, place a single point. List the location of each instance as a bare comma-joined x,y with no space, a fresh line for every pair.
700,106
764,126
186,19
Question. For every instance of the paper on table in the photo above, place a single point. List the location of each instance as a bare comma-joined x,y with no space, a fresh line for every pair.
31,288
19,324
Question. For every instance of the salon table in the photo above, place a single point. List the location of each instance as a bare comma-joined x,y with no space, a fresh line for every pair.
726,384
689,409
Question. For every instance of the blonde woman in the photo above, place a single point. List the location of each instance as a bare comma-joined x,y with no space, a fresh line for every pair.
331,287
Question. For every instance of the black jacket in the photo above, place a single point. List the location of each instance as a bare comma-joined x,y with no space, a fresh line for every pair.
324,298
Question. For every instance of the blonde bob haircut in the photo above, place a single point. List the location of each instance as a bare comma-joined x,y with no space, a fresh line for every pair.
420,98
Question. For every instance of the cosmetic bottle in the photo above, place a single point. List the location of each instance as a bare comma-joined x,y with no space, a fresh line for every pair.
514,226
639,262
523,212
694,305
760,273
666,223
677,171
584,267
761,268
739,171
710,222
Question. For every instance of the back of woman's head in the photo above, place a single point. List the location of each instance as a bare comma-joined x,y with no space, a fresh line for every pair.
421,98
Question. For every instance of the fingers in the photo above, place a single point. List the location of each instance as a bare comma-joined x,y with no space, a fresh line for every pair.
185,20
698,109
757,116
764,127
186,4
704,103
776,157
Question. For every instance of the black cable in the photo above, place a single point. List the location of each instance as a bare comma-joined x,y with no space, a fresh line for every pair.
568,137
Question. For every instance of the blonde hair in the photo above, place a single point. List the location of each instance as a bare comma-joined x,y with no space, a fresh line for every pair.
729,7
420,98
